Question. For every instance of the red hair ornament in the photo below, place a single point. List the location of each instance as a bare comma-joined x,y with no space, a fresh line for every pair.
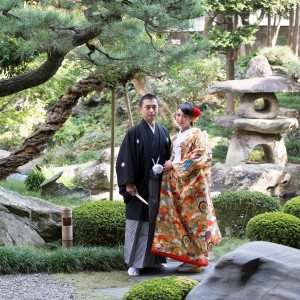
196,114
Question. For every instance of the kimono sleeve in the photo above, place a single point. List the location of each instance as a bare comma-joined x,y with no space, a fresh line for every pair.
198,157
125,164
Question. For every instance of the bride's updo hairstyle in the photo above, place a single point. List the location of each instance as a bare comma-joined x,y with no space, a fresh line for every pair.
187,108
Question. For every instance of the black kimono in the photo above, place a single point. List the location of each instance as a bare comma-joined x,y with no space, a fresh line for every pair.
134,163
140,148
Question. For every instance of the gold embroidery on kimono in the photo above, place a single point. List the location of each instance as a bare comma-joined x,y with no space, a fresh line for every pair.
186,225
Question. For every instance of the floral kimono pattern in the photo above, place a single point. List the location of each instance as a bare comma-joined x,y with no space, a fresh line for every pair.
186,226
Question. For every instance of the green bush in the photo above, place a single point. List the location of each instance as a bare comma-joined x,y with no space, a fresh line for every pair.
167,288
34,180
293,149
219,153
275,227
99,223
279,55
235,208
292,207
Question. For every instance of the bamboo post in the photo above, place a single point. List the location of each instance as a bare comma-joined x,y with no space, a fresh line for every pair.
66,227
112,144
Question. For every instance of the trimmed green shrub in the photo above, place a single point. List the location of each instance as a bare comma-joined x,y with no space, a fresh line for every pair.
99,223
292,207
235,208
275,227
166,288
34,180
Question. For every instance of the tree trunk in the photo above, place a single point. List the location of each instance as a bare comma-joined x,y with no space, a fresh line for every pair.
112,145
269,31
291,27
207,25
127,102
296,30
57,116
140,85
9,86
236,27
229,72
276,31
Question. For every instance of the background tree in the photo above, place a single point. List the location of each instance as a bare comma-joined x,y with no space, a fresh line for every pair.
124,43
54,28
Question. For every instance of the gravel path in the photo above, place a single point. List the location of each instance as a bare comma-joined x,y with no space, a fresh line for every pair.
35,287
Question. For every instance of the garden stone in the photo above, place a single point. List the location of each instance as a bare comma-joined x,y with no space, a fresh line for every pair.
16,177
16,231
105,155
271,179
96,176
4,153
258,66
255,270
40,215
51,187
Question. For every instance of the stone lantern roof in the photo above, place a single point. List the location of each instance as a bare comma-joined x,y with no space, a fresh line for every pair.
270,84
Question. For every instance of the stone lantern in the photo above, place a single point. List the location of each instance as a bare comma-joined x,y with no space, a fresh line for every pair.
254,126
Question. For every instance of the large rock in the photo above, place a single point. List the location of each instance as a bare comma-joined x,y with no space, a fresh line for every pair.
96,176
35,214
270,179
17,231
51,187
256,270
258,66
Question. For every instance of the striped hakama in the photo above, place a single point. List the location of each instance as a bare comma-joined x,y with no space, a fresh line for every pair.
139,234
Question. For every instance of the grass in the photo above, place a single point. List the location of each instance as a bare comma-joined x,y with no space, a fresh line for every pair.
87,282
227,245
289,100
20,188
27,260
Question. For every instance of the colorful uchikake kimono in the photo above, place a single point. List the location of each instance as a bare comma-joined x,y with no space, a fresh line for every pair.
186,226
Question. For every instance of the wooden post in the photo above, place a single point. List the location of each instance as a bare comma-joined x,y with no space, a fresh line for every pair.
112,144
66,227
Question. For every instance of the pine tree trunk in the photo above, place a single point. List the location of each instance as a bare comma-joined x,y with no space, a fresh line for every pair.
127,102
229,72
296,30
112,144
291,27
57,116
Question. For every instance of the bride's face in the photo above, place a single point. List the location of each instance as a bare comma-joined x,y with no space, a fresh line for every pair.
183,121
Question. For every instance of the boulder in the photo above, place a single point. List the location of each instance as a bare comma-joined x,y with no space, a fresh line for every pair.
51,187
96,176
271,179
256,270
35,214
16,231
258,66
